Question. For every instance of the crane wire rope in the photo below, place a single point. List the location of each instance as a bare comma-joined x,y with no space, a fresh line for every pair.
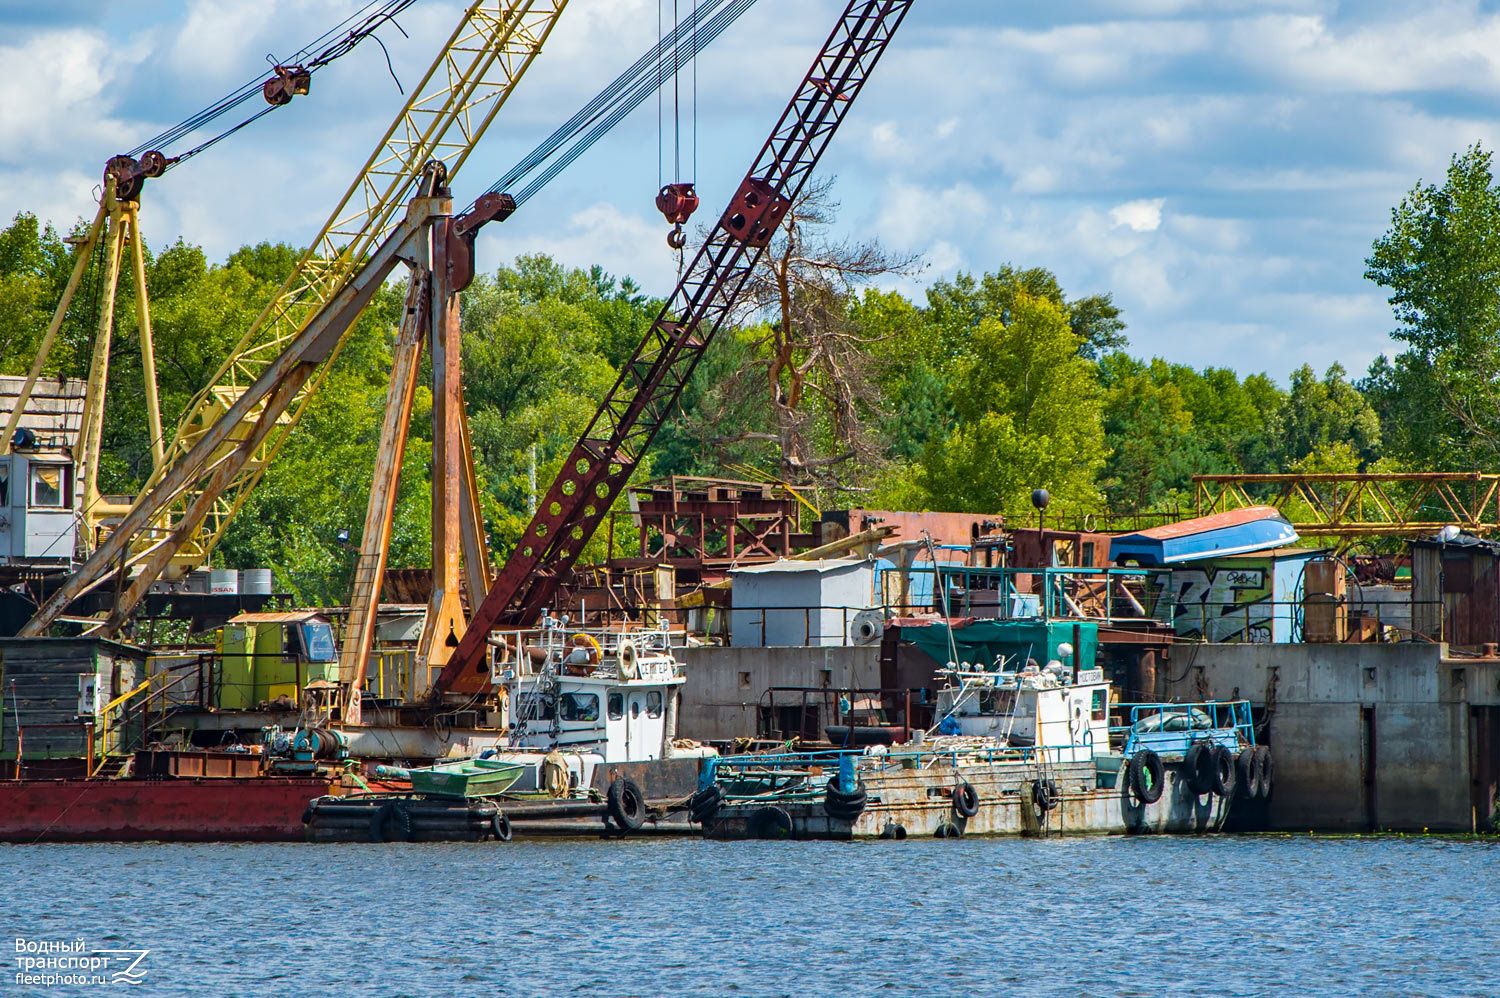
628,91
311,57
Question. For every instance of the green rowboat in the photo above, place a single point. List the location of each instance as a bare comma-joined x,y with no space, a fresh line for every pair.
466,778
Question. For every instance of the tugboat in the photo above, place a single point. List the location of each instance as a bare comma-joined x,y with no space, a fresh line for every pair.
591,719
1029,752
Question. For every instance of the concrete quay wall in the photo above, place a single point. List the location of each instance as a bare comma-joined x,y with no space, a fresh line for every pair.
1365,736
725,686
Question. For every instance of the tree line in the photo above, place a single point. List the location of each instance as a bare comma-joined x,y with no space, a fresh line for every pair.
965,397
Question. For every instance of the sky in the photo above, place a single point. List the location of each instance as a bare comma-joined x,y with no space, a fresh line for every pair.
1220,167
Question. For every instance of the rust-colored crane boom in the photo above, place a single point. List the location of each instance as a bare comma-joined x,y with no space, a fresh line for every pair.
649,384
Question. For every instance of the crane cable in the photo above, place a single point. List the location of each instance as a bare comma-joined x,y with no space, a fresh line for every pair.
310,58
629,90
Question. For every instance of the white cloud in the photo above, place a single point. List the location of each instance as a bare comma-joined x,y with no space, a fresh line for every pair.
1142,216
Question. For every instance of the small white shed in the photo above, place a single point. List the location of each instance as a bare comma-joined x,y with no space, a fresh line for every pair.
794,603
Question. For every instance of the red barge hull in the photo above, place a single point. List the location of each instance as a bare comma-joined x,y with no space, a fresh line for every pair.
252,809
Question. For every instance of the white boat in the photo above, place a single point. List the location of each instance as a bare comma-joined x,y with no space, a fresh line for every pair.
578,699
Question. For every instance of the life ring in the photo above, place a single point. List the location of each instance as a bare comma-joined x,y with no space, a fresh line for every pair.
554,774
1199,765
627,660
966,800
1146,777
500,827
626,805
1223,764
582,640
391,823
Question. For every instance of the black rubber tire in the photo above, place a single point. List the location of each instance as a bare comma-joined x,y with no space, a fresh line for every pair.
391,823
832,787
1267,767
771,823
844,805
1146,776
500,827
704,804
307,815
1244,771
966,800
845,808
626,805
893,831
1198,764
947,830
1044,796
1224,772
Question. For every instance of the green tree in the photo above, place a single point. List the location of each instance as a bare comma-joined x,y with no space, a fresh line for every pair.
957,307
1154,447
1027,415
1440,260
1317,415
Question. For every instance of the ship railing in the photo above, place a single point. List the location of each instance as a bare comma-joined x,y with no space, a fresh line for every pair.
125,723
795,776
1173,727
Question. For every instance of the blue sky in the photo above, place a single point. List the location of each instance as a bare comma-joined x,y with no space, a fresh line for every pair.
1220,166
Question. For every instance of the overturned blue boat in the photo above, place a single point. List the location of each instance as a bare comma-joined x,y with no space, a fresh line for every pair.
1239,531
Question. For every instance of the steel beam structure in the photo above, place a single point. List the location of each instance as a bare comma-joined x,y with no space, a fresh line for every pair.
1354,505
649,384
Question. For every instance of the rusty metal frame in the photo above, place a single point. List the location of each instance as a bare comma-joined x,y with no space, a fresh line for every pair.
650,382
1363,504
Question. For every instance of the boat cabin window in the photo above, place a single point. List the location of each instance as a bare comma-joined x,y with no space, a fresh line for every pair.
47,486
653,704
578,707
997,701
616,706
1100,705
317,641
635,707
5,484
535,707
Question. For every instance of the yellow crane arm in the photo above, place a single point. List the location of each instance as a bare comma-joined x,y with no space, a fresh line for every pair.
469,81
234,428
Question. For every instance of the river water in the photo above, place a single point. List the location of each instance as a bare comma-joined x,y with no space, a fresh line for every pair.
1080,916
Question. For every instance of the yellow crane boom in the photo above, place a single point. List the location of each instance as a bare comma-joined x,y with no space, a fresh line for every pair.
234,428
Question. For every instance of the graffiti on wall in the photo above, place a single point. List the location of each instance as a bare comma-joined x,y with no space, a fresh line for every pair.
1220,603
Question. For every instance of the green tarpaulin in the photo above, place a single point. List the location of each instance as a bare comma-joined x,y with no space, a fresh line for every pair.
983,641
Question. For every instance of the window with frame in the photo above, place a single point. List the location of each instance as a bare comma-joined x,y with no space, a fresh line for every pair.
1100,705
653,704
578,707
47,482
616,706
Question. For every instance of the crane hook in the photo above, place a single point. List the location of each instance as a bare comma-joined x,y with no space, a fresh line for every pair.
677,202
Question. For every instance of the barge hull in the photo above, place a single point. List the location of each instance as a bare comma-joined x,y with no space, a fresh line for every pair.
919,805
259,809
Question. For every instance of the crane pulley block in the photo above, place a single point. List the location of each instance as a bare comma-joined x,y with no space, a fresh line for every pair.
129,174
463,229
755,211
289,82
677,202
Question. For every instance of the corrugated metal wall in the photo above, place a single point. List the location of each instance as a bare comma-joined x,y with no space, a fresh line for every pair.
40,682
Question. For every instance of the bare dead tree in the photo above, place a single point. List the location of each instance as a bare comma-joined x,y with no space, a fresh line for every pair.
813,361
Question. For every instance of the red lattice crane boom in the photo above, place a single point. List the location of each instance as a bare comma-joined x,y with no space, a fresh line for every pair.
649,384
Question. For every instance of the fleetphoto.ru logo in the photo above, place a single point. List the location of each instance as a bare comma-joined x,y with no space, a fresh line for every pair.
47,963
